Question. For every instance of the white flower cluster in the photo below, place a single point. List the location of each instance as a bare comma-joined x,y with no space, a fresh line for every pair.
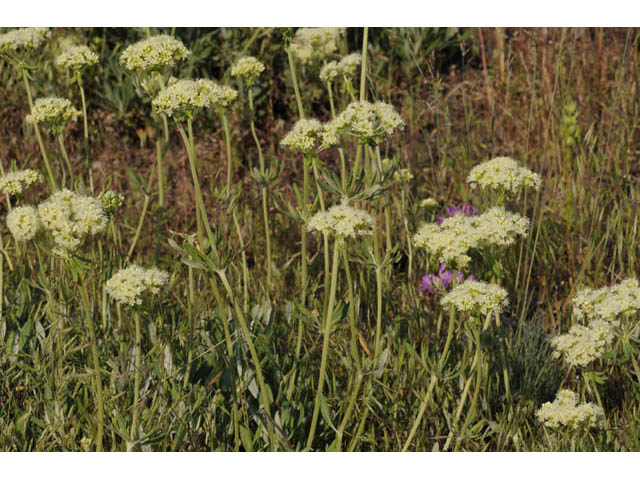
53,113
369,122
476,297
311,44
23,223
583,344
342,221
601,310
23,38
111,202
128,285
70,217
154,53
182,98
15,183
302,137
76,58
607,303
565,411
452,239
503,174
345,67
249,68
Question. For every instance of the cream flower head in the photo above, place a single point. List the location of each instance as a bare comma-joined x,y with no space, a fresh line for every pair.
584,344
71,217
565,411
342,221
77,58
23,39
183,98
53,113
503,174
128,285
607,303
15,183
249,68
302,137
370,123
475,297
154,53
313,44
23,223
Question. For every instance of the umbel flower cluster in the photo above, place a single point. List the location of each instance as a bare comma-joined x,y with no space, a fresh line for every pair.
452,239
302,137
23,223
601,309
583,344
77,58
475,297
248,68
154,53
111,202
23,39
129,285
607,303
53,113
15,183
369,122
342,221
565,411
346,68
71,217
313,44
503,174
183,98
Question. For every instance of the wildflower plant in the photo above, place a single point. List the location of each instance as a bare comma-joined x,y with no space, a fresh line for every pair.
154,54
313,44
77,58
23,40
53,113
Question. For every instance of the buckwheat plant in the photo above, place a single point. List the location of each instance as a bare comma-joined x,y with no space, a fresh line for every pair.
503,175
53,114
313,44
77,60
23,223
128,287
343,223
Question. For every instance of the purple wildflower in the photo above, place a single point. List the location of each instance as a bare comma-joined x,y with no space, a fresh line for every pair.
432,282
465,209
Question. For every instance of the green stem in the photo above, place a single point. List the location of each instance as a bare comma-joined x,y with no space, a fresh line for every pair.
145,207
227,141
325,343
87,151
192,314
264,193
136,382
245,270
363,69
96,366
52,179
294,80
63,150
